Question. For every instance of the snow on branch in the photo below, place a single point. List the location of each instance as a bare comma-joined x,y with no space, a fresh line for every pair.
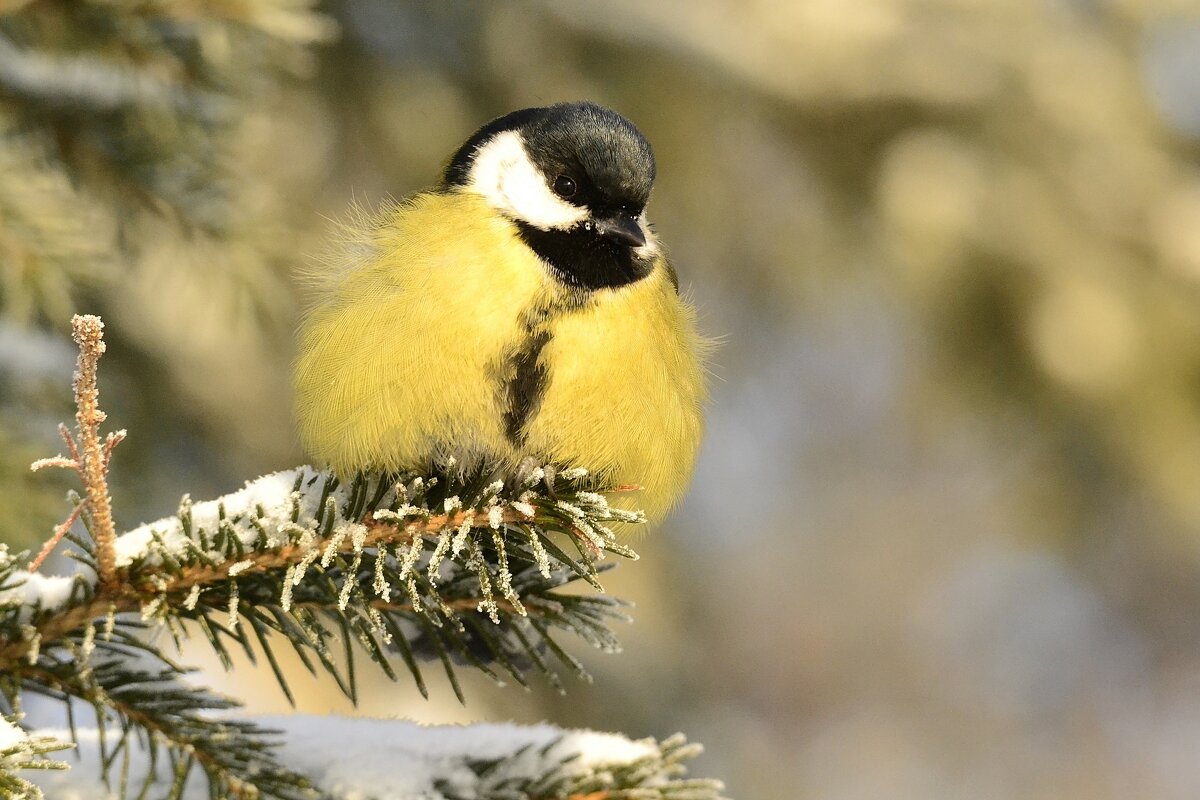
395,760
390,560
20,752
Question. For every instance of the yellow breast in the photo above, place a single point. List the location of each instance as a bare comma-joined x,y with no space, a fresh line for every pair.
408,352
625,392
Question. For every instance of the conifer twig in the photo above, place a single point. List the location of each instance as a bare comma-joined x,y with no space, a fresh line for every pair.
88,332
89,457
131,591
59,533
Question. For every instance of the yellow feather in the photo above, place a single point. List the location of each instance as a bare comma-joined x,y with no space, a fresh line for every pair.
625,392
403,356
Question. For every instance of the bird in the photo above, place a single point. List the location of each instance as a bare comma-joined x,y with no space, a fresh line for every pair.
520,310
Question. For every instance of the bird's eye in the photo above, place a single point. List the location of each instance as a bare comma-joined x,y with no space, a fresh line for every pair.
565,187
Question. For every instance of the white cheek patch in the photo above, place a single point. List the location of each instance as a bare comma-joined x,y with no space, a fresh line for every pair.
503,173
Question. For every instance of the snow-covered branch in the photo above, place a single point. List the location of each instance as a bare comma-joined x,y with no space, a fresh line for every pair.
21,752
395,760
399,566
302,541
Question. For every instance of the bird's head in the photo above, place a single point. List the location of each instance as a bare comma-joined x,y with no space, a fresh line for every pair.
575,179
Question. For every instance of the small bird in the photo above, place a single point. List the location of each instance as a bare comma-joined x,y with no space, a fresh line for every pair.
522,308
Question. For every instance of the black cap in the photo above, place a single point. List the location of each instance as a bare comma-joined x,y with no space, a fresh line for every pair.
602,151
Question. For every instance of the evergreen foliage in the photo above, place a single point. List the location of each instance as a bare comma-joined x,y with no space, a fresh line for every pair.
640,779
20,751
112,110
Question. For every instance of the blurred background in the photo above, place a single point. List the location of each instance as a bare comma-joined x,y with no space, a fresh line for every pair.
944,537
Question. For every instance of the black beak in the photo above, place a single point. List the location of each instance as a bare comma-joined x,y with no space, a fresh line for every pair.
624,229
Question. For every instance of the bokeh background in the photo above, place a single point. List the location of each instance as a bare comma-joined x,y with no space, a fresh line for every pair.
944,537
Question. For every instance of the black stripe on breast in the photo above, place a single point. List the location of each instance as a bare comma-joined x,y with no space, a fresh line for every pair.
526,384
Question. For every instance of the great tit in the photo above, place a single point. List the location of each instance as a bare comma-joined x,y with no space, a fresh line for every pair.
522,308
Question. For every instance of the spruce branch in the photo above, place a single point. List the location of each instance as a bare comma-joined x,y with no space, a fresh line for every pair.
167,713
397,760
267,539
20,751
655,775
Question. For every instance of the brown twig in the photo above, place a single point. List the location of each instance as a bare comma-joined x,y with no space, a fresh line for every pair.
88,332
380,532
73,448
111,441
59,625
53,541
88,457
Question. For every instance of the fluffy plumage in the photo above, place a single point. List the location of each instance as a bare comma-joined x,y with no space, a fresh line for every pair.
447,329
